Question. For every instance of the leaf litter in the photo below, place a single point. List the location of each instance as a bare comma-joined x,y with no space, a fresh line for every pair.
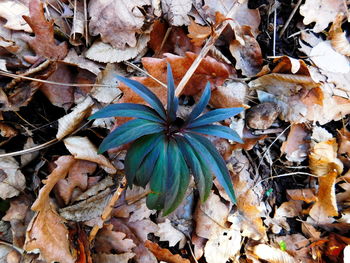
62,201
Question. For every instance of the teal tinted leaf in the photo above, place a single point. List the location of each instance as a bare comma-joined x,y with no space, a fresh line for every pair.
200,106
200,170
145,171
128,132
128,110
218,131
172,102
156,199
146,94
177,180
213,116
137,153
215,161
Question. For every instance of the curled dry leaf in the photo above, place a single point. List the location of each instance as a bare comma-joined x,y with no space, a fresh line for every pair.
247,52
262,116
306,195
13,12
117,22
296,146
81,148
322,12
44,43
164,254
198,33
338,38
325,164
103,52
272,255
12,181
344,146
71,121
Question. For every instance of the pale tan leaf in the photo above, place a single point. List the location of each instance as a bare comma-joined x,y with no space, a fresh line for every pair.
13,11
224,246
83,149
142,228
272,255
338,38
80,61
117,21
167,232
306,195
112,258
230,95
71,121
176,11
103,52
12,181
326,58
322,12
48,234
27,158
296,146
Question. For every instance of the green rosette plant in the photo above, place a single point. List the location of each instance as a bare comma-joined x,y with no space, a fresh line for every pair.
166,149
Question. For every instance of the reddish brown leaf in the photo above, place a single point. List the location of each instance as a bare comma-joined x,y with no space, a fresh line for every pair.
198,33
164,254
44,43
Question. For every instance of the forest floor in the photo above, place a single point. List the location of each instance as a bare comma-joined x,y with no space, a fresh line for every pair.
285,62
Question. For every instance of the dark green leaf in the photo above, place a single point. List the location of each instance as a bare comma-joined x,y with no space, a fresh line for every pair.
200,170
213,116
146,94
178,178
137,153
215,161
172,102
128,110
145,171
200,106
156,199
128,132
218,131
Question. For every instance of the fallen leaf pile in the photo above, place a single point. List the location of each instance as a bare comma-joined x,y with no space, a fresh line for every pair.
286,62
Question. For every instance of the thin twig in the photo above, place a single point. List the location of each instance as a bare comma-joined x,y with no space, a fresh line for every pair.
109,207
203,53
166,36
274,31
145,72
284,175
20,250
290,18
15,76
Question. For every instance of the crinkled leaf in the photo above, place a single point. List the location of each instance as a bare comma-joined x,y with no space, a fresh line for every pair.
137,153
200,106
172,102
214,159
146,94
128,110
128,132
145,171
214,116
155,200
177,180
218,131
200,170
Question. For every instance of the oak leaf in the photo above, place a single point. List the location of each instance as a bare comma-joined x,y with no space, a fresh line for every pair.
13,11
164,254
44,43
117,21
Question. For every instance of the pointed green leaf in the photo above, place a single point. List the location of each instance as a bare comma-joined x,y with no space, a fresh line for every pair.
146,94
137,153
214,116
200,106
200,170
128,132
172,102
215,161
128,110
178,178
218,131
145,171
156,199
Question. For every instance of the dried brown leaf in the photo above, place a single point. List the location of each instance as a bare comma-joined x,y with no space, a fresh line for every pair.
338,38
13,12
83,149
44,43
296,146
198,33
272,255
117,22
166,232
164,254
306,195
176,11
112,258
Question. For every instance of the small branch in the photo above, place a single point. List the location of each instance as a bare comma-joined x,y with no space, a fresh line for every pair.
207,47
290,18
